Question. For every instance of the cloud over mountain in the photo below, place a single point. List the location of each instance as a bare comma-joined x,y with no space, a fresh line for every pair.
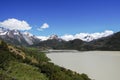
15,24
87,36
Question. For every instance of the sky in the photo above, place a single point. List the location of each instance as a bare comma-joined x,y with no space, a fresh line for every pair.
61,17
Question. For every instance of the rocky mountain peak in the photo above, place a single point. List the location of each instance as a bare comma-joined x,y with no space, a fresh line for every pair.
54,36
88,38
17,37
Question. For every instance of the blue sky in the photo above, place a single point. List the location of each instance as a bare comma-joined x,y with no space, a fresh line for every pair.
64,16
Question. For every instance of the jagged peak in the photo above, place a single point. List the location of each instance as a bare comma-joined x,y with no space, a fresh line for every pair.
18,36
54,36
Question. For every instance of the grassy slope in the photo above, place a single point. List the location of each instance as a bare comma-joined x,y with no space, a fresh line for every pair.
12,66
19,63
22,71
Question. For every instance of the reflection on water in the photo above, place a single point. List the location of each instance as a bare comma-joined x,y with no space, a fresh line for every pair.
99,65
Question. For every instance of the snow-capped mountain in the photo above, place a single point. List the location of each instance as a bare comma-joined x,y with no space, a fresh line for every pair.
54,36
26,38
88,36
30,38
17,37
83,36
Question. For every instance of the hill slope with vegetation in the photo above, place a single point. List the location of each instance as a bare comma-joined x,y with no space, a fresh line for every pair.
21,63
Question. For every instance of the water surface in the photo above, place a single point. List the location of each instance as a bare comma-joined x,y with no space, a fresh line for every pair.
98,65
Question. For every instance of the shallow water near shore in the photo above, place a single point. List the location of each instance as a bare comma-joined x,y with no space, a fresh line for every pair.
98,65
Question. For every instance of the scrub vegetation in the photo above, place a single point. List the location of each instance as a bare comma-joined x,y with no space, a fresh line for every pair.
23,63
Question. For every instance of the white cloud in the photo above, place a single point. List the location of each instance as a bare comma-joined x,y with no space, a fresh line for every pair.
43,38
44,26
15,24
90,36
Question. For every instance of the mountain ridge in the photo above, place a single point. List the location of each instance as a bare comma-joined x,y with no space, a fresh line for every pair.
17,37
111,42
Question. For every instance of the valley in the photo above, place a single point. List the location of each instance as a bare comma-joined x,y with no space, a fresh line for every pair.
59,39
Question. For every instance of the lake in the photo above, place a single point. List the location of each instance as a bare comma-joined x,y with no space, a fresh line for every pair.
98,65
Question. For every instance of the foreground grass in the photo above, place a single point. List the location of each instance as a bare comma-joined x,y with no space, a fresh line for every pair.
23,71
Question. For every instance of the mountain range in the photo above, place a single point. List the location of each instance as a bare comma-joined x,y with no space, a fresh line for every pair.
111,42
17,37
88,42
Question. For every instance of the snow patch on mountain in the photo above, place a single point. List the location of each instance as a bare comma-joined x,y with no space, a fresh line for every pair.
2,31
28,34
28,39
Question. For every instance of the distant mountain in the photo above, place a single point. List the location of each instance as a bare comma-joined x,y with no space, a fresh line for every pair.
57,43
54,36
111,42
88,42
52,42
88,36
107,43
17,37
